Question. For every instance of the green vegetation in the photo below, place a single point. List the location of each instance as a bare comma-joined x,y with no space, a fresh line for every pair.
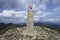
6,29
58,30
9,35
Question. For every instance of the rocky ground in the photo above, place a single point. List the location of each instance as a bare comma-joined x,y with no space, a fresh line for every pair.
44,34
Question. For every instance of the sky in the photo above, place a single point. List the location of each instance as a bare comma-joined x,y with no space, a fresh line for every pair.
15,11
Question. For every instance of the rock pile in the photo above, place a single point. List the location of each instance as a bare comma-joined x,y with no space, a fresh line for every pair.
43,34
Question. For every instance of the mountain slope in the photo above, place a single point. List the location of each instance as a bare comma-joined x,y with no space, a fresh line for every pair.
44,34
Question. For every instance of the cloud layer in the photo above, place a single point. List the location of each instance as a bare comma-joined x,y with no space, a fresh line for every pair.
16,11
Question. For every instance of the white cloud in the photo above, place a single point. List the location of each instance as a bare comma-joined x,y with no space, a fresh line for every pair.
36,18
42,14
55,2
56,10
12,13
42,7
38,13
49,20
5,13
26,2
44,1
25,17
45,14
52,20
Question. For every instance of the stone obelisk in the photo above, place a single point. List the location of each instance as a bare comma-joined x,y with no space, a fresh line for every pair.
30,23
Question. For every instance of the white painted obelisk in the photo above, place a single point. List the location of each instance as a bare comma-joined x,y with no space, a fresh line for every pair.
30,23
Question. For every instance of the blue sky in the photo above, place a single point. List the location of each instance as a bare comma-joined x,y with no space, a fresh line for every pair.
15,11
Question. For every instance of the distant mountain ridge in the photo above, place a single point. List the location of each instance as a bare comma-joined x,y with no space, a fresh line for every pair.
48,24
43,24
3,25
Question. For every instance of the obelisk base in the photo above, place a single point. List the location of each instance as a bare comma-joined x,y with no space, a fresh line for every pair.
31,32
